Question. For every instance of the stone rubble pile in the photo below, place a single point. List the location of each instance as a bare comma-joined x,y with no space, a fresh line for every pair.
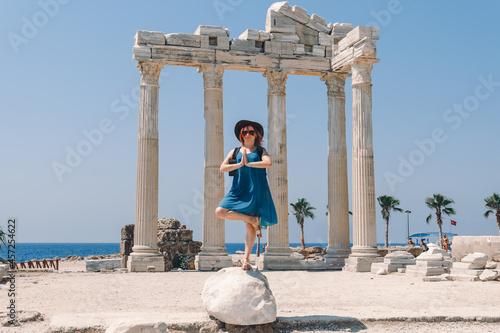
431,263
289,30
392,262
472,267
174,241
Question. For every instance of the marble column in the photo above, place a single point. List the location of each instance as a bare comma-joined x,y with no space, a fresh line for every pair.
364,250
338,202
277,254
213,253
145,255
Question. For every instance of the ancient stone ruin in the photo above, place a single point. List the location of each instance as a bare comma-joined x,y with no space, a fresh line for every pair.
175,243
294,42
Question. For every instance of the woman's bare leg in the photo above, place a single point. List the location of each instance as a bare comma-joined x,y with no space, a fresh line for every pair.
249,241
227,214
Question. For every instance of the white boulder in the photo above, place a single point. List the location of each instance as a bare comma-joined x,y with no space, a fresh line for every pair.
239,297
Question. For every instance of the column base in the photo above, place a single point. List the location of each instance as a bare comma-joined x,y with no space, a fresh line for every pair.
335,257
212,261
278,258
149,263
360,264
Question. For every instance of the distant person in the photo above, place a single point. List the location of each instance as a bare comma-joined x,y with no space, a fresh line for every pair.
446,243
410,242
249,198
423,245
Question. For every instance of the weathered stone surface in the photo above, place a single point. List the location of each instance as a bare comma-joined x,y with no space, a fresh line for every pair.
168,223
128,232
465,271
400,258
149,37
489,245
250,34
318,23
273,47
126,247
245,45
467,265
315,249
211,30
381,271
300,14
325,39
488,275
340,30
491,265
277,22
137,326
3,271
298,49
292,38
477,258
239,297
318,51
189,40
306,35
104,264
219,42
358,34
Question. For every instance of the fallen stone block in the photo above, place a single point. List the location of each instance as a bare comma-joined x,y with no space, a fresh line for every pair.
250,34
488,275
477,258
103,265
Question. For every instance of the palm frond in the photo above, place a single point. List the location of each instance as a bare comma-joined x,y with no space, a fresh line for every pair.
487,213
449,211
428,219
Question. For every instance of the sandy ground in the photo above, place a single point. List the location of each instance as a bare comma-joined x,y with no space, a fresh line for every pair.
98,299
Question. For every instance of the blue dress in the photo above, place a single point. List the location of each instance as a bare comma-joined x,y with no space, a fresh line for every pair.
250,192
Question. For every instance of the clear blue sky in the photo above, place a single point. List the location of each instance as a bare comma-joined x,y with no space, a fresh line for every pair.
70,71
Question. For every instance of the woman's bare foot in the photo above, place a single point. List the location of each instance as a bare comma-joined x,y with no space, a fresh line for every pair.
246,265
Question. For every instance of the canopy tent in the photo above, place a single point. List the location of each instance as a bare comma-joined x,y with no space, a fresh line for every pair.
428,234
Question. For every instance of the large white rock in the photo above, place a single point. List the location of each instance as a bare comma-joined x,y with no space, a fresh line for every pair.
477,258
239,297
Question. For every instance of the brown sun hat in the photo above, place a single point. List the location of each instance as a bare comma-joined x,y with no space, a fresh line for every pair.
244,123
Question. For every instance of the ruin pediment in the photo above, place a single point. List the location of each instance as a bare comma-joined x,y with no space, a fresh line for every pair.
293,41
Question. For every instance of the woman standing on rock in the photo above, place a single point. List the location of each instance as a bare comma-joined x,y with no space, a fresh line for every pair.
249,198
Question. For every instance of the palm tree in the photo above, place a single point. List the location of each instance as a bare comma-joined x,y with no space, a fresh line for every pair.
441,204
2,239
493,203
302,209
388,203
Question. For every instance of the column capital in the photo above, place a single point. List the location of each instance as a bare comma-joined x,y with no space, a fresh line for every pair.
361,70
212,75
150,72
276,81
335,83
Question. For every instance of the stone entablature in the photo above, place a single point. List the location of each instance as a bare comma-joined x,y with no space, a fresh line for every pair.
293,42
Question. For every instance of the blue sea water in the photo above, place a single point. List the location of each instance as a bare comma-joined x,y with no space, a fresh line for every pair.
28,251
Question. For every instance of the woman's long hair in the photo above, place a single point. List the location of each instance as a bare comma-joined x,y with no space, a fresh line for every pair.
258,137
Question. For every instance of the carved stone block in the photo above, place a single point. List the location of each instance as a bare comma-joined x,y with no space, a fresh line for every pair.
214,42
211,30
128,232
143,37
318,51
277,22
250,34
306,35
325,39
245,45
188,40
300,14
356,35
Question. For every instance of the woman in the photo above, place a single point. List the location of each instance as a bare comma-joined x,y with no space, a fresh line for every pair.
446,243
249,198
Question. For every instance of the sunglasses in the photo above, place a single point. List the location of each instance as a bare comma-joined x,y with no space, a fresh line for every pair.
247,132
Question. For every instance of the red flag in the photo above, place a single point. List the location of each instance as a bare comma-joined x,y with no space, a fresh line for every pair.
453,222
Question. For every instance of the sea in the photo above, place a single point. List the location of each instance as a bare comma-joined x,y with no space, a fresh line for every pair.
28,251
